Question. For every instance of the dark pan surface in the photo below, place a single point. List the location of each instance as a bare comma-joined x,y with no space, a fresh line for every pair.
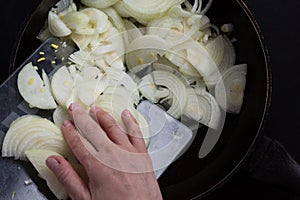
189,176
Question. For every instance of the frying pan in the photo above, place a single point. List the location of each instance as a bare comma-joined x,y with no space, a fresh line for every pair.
189,177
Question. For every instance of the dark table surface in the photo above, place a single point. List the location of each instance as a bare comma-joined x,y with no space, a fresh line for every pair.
279,21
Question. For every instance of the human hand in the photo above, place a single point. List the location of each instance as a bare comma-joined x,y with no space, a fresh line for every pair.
117,164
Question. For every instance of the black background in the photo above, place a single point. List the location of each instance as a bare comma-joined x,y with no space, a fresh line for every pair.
279,21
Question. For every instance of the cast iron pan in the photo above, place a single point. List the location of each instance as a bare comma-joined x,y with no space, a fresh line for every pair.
189,177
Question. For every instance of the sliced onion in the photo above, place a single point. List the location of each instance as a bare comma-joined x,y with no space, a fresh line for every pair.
22,128
178,11
34,90
216,49
145,49
88,91
203,107
116,77
98,19
148,9
229,57
76,20
56,26
202,61
229,92
116,40
222,52
115,18
60,115
62,84
175,86
148,89
131,33
121,9
99,3
83,41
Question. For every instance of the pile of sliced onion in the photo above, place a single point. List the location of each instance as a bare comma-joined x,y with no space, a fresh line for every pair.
194,72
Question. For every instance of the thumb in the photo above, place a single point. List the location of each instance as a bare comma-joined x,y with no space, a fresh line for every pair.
68,177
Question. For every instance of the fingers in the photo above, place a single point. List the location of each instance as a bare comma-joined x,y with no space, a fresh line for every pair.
110,126
80,147
68,177
134,133
87,127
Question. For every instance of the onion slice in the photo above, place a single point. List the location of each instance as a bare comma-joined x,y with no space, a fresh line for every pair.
56,26
203,107
229,91
34,90
174,85
99,3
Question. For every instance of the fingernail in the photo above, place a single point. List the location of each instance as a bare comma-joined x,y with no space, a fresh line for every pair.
96,109
67,123
52,163
127,113
74,106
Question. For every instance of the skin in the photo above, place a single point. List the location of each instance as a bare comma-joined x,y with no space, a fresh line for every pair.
94,138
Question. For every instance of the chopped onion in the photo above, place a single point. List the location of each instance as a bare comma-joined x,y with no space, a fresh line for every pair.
98,21
56,26
60,115
76,20
144,50
175,86
62,84
230,90
203,107
148,9
34,90
115,18
99,3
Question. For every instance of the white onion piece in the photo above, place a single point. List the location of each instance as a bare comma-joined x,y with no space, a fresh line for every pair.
71,8
148,9
60,115
76,20
175,86
148,89
116,77
216,49
177,11
116,40
131,33
24,127
229,56
34,90
88,91
62,84
82,41
56,26
99,3
145,49
122,93
203,107
115,18
201,61
98,20
164,26
222,52
121,9
229,92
